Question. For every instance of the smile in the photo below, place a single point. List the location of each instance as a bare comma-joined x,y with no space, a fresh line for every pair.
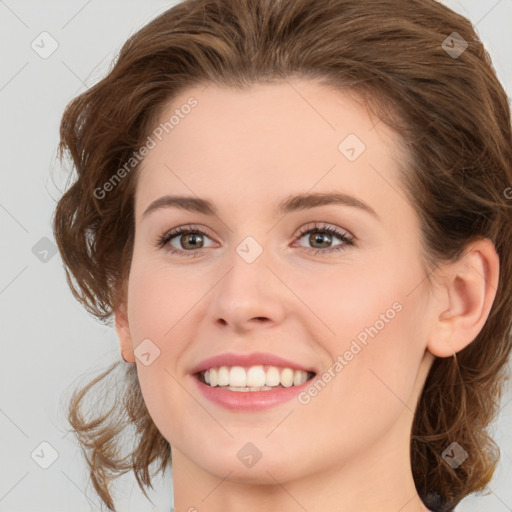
250,382
253,378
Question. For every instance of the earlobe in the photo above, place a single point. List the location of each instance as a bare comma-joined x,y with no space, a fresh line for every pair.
468,291
124,335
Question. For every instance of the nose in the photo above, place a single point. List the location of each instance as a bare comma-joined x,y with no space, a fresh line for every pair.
250,294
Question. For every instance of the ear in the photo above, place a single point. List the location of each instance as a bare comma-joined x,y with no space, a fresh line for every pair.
124,335
464,300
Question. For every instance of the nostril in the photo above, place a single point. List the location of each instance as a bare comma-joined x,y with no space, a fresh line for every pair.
260,318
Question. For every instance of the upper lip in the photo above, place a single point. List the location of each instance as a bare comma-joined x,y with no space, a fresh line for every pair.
252,359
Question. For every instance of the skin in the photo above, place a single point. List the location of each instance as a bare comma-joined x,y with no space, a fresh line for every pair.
245,151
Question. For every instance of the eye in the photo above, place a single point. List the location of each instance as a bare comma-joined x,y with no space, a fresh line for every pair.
324,235
189,238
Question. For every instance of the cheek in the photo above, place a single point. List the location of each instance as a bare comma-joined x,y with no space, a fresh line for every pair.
158,302
158,298
375,329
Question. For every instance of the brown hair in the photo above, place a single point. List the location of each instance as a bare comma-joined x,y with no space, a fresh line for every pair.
454,120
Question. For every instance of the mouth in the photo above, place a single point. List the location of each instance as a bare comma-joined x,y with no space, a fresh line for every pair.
250,382
255,378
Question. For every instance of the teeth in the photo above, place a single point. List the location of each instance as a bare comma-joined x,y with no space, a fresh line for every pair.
272,377
237,377
287,377
297,378
254,378
223,376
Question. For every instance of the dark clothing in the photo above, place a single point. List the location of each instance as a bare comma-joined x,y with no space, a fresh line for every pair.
435,503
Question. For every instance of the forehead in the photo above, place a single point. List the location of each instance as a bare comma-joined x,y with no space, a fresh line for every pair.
246,143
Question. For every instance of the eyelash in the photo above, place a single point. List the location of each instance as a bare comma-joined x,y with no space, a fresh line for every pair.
167,237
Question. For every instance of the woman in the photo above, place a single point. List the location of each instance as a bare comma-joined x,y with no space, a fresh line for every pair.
297,214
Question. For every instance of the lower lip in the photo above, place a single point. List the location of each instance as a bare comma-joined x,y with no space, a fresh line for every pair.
249,400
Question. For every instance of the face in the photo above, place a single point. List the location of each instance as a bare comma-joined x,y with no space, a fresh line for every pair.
333,287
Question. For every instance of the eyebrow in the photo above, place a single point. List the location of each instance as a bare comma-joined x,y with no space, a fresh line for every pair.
288,205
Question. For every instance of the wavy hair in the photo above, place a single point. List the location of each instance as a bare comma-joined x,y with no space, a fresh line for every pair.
452,116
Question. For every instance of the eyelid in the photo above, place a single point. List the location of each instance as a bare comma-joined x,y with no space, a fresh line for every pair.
323,226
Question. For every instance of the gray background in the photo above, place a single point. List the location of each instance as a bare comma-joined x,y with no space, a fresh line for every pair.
48,340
